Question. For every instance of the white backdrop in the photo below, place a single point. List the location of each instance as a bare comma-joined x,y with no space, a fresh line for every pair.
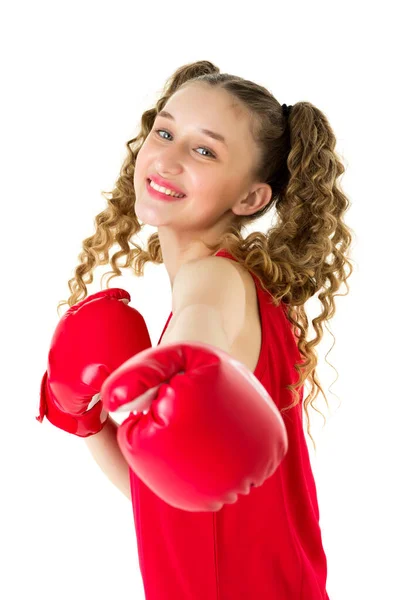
76,78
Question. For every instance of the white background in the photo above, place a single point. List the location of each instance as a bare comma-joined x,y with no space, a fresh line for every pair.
76,78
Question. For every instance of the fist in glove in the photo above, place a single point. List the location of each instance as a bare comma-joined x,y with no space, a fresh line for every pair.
92,339
209,430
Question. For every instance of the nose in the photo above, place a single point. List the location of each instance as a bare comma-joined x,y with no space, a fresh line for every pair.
169,161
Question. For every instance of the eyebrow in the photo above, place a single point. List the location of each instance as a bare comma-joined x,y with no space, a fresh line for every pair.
212,134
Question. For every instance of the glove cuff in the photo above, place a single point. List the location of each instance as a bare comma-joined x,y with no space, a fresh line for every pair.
89,423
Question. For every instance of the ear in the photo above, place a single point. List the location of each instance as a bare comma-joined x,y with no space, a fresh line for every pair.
258,197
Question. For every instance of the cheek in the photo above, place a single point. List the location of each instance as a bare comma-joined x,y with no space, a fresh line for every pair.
208,186
216,195
144,161
140,169
210,204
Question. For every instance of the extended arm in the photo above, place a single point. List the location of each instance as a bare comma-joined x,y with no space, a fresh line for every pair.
201,429
105,450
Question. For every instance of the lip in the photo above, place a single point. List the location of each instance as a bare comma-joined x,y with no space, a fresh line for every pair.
164,183
160,195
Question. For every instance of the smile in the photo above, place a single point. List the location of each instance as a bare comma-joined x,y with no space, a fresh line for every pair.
162,193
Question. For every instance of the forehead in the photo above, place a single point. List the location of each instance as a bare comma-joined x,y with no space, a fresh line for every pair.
205,107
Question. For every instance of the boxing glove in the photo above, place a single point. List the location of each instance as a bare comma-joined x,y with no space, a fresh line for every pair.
205,430
92,339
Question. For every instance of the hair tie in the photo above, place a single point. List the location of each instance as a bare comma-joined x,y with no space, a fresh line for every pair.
286,109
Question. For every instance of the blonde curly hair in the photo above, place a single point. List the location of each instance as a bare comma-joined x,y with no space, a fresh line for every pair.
302,254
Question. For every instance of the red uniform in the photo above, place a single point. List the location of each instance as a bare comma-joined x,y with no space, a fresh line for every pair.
265,546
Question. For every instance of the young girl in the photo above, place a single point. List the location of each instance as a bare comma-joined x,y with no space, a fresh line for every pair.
216,153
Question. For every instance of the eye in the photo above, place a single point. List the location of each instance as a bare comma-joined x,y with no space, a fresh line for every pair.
202,147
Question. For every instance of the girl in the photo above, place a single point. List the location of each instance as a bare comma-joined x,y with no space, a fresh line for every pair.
216,153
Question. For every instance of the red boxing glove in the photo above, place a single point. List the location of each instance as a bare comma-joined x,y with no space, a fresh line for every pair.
92,339
211,431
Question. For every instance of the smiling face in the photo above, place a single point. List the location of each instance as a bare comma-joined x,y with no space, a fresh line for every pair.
213,174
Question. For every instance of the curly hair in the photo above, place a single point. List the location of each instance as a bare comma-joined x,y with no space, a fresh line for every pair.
303,253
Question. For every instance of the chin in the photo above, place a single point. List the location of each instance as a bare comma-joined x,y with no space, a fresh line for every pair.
147,215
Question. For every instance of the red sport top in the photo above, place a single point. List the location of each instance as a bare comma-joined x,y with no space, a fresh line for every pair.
265,546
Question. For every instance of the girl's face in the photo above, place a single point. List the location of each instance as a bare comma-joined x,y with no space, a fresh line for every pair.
213,174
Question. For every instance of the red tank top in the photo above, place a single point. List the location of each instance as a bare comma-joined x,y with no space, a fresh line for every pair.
265,546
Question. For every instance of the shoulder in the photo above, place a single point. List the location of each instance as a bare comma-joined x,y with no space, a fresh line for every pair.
213,281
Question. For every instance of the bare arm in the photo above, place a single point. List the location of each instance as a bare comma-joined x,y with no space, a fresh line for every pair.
104,448
198,323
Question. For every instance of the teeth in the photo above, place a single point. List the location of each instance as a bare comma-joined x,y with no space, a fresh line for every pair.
164,190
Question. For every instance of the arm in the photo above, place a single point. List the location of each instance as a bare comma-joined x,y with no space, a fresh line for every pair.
104,448
200,323
195,323
202,429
